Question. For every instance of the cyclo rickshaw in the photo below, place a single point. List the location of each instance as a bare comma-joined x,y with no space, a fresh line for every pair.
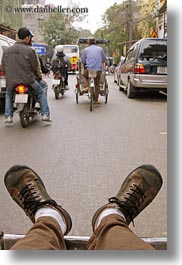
92,74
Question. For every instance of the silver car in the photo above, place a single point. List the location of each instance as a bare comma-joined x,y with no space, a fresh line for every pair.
145,67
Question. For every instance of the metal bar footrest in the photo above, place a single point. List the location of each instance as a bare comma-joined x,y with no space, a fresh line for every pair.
77,242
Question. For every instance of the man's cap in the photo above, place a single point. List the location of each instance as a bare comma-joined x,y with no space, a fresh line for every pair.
23,33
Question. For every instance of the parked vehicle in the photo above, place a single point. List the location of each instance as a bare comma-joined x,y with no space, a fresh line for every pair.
5,43
109,65
117,70
26,103
145,67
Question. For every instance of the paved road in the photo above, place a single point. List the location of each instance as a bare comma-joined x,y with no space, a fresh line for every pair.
84,157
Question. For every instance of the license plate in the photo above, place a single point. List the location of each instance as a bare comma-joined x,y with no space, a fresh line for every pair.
161,70
2,83
21,98
56,82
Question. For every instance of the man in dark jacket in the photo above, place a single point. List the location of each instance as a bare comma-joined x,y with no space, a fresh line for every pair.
20,63
61,59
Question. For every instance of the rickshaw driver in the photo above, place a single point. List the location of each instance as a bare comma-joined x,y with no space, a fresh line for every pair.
92,59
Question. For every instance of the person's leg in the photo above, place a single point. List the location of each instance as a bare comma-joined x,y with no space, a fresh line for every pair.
42,98
97,86
110,222
50,220
45,234
114,234
85,80
44,85
66,79
9,105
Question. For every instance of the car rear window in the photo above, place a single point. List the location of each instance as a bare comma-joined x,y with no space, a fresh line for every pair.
154,50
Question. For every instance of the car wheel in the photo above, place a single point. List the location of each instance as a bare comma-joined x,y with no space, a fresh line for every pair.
130,90
117,81
2,105
120,87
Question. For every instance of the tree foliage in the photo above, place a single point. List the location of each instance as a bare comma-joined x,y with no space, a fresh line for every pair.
59,27
145,20
57,30
116,22
125,23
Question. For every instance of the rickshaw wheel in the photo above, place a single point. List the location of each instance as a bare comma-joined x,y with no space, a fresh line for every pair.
106,97
91,99
77,97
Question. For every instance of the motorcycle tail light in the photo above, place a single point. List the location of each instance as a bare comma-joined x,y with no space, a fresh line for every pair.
21,89
57,76
1,73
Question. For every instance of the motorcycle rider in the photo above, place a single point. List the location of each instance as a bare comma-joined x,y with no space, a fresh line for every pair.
20,63
41,69
61,57
39,75
92,59
48,64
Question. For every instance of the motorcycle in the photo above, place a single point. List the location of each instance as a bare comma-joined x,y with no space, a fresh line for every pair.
58,84
26,103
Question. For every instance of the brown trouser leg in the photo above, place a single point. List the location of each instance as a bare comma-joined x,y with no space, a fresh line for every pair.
97,85
114,234
96,82
85,78
45,234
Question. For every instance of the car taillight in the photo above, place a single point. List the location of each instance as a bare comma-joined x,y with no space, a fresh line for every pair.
2,73
21,89
139,69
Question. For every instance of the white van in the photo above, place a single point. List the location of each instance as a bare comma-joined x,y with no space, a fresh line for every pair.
5,42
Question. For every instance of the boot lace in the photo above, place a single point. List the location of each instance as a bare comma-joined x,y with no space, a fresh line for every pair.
31,200
130,203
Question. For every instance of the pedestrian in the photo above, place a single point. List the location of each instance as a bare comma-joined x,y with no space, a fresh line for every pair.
110,222
20,63
92,58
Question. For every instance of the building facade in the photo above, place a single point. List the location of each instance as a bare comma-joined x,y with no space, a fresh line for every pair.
9,21
162,18
34,20
160,14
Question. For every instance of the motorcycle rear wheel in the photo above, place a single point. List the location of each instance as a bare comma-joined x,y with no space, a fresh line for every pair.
62,86
24,117
56,91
